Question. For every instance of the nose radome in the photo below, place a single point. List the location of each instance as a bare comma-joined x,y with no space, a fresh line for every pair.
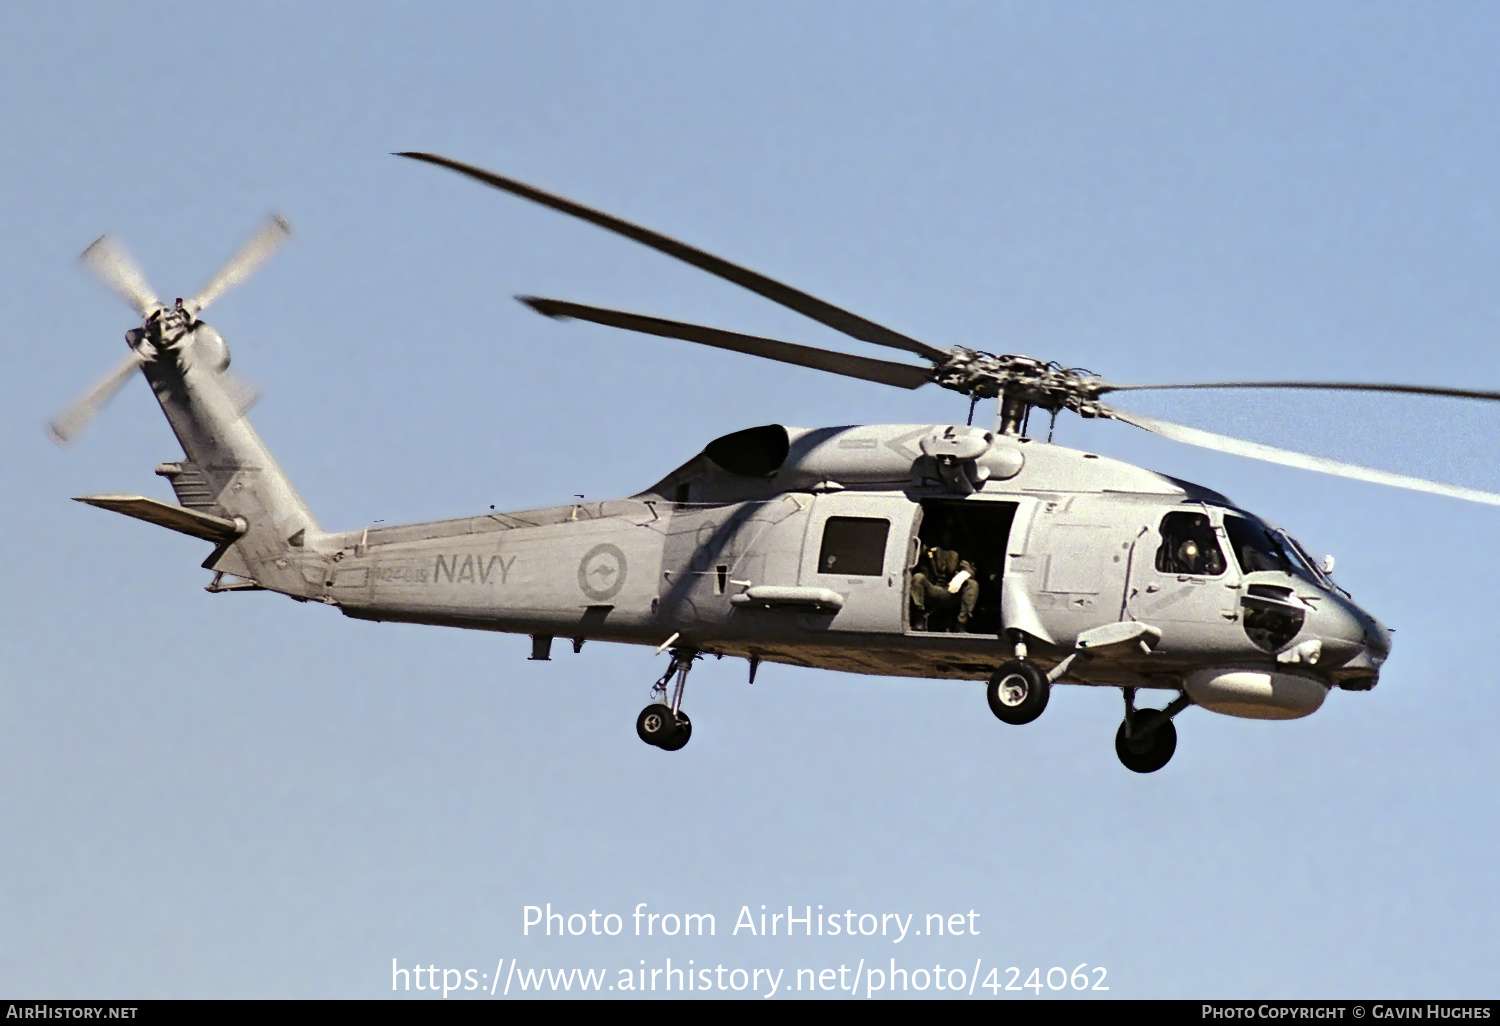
1378,637
1373,636
1356,643
1344,630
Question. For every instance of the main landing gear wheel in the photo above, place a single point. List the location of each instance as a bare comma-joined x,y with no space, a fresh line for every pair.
1153,739
1018,691
656,725
680,738
663,723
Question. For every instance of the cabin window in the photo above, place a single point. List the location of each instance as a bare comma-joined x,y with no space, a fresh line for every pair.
1189,546
853,546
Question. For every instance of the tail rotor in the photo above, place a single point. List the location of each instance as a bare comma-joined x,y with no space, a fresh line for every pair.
165,330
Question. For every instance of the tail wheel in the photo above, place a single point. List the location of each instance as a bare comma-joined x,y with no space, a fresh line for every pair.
1018,691
1149,747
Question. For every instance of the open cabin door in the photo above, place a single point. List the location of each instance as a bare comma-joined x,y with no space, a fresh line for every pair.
856,545
977,532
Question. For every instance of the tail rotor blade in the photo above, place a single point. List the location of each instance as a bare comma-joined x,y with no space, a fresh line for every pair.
112,264
241,393
245,262
1288,458
71,422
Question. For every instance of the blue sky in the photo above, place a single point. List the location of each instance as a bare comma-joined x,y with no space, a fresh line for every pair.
236,795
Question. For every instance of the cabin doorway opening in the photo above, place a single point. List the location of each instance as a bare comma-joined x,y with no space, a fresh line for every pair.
959,542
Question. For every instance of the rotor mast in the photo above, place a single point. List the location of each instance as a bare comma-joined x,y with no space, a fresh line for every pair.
1012,414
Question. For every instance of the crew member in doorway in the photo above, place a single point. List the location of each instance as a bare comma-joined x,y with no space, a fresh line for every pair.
944,580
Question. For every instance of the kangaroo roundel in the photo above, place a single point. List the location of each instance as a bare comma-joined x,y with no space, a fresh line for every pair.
601,572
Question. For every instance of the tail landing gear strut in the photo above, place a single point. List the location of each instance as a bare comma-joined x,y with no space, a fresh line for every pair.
661,723
1146,739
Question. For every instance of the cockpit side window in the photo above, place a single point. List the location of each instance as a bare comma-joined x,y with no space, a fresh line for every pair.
1256,546
1189,546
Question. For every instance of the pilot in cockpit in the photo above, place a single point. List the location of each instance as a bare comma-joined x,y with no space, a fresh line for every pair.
1200,557
1189,546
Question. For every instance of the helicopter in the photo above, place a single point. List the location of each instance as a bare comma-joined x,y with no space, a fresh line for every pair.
935,551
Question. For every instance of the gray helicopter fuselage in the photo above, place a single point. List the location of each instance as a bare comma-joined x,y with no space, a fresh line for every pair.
748,564
805,547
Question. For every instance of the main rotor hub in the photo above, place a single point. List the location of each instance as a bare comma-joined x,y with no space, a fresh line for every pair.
1023,382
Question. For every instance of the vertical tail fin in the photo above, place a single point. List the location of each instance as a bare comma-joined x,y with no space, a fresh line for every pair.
229,473
230,487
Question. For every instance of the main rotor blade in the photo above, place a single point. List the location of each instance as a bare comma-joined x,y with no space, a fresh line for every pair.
245,262
71,422
884,372
112,264
809,306
1287,458
1327,386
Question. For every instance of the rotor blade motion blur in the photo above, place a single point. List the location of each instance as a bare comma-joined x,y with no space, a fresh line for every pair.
241,393
809,306
245,262
112,264
1288,458
1327,386
71,422
883,372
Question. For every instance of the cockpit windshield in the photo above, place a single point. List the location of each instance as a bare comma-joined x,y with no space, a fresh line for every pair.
1260,547
1298,552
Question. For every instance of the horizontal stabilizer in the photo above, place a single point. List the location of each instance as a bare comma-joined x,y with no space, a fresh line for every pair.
172,517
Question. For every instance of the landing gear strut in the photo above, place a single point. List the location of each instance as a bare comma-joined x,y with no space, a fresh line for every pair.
661,723
1147,738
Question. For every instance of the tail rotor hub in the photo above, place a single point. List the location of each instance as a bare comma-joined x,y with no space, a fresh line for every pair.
169,327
